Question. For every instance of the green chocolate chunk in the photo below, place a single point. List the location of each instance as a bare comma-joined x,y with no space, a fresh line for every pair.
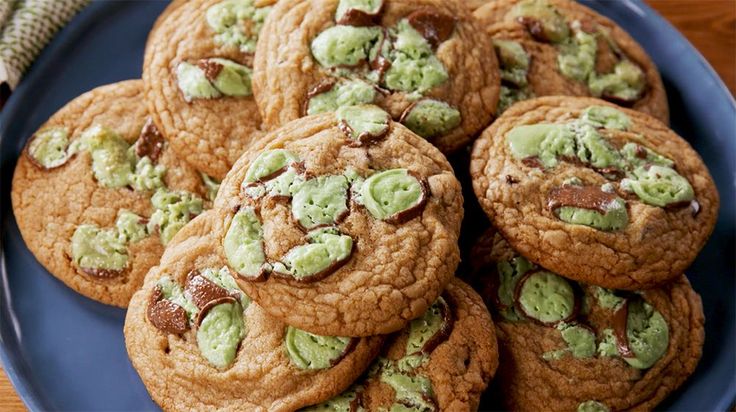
648,334
389,193
615,218
423,329
413,392
233,79
414,67
343,93
607,299
224,279
48,147
551,23
509,272
340,403
364,122
147,176
510,95
237,23
326,249
212,185
638,155
431,118
592,406
576,59
543,141
606,117
174,209
174,293
514,62
580,340
193,83
130,226
96,249
309,351
626,83
607,346
546,297
658,186
220,333
286,183
593,149
345,45
368,7
243,244
111,159
269,162
320,201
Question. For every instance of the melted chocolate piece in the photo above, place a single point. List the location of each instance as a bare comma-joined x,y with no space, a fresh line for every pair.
620,320
202,290
102,273
324,85
211,304
605,57
532,162
512,180
434,26
610,173
583,197
534,27
211,69
577,292
641,152
165,315
364,139
150,142
360,18
416,210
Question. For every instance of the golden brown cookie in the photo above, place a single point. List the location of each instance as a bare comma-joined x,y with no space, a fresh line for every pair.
442,361
97,191
198,343
197,73
599,194
568,346
560,47
426,62
342,224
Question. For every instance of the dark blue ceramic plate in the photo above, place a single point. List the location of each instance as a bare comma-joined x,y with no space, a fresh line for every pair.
65,352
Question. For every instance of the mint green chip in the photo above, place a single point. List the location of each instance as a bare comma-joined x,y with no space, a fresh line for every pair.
576,59
592,406
131,226
551,22
222,278
112,162
48,147
580,340
220,333
547,297
514,62
544,141
173,292
593,149
386,194
326,248
431,118
369,7
648,334
364,121
345,45
147,176
616,216
509,272
320,201
606,117
310,351
193,83
237,23
658,186
268,163
627,82
243,244
340,403
411,389
639,156
99,249
234,79
173,210
424,328
343,93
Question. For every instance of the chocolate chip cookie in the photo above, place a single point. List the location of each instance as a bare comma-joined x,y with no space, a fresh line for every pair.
198,342
569,346
342,223
599,194
97,193
442,361
426,62
560,47
197,74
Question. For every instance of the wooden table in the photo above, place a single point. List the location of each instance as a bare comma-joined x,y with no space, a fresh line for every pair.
709,24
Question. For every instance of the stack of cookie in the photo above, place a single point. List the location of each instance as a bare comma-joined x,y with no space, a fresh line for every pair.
282,223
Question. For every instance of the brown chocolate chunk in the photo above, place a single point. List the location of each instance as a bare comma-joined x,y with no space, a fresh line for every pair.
620,320
583,197
360,18
211,304
150,142
605,56
434,26
535,28
512,180
324,85
202,290
101,273
364,138
165,315
210,68
532,162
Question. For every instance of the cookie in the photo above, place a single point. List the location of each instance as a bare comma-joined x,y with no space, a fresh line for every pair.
342,224
562,48
442,361
197,74
199,343
598,194
97,193
568,346
426,62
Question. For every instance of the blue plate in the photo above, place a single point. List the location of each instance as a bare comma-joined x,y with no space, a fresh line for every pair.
66,352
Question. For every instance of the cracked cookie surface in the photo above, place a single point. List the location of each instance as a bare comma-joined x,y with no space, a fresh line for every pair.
651,203
209,131
399,261
549,368
298,65
57,190
543,76
261,375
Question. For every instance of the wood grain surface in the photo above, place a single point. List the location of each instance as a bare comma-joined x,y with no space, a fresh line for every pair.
709,24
